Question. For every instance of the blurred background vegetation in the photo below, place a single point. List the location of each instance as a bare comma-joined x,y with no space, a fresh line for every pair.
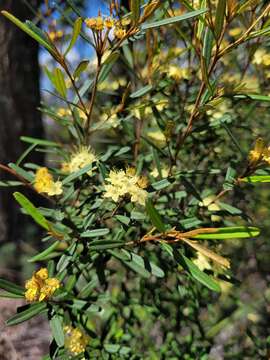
192,323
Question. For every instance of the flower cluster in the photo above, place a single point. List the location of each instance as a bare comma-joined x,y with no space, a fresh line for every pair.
44,183
100,24
122,183
62,112
75,340
79,159
261,57
55,35
40,287
260,153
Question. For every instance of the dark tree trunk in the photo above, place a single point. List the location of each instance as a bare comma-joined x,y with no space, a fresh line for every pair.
19,99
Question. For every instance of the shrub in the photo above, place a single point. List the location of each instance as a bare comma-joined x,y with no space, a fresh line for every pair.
154,157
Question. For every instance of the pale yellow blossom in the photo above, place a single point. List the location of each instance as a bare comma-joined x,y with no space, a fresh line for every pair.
44,183
40,287
75,340
82,157
125,183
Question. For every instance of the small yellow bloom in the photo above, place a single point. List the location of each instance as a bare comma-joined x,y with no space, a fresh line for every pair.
48,289
119,32
82,157
202,262
109,23
63,112
256,155
40,287
75,340
90,23
55,35
235,32
42,274
99,24
44,183
261,57
126,183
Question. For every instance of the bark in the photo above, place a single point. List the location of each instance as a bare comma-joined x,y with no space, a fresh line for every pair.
19,99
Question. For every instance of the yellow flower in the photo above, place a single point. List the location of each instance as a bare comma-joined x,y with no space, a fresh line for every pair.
44,183
40,287
84,156
164,172
42,274
261,57
178,73
126,183
90,23
211,206
109,23
49,287
256,155
235,32
202,262
157,137
63,112
75,340
99,24
119,32
55,35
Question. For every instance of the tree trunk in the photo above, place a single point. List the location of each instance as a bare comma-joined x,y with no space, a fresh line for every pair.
19,99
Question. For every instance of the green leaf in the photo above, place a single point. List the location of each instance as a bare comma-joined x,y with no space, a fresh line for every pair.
256,179
31,210
174,19
123,219
107,66
138,264
105,244
77,174
80,68
29,30
154,216
135,10
11,288
44,254
199,275
9,295
144,90
57,330
252,97
59,82
40,142
208,46
220,16
20,171
31,311
234,232
162,184
76,32
95,233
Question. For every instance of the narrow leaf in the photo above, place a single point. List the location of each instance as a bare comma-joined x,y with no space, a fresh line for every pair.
11,288
44,254
29,31
57,330
220,16
76,32
31,311
154,216
199,275
234,232
31,210
174,19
